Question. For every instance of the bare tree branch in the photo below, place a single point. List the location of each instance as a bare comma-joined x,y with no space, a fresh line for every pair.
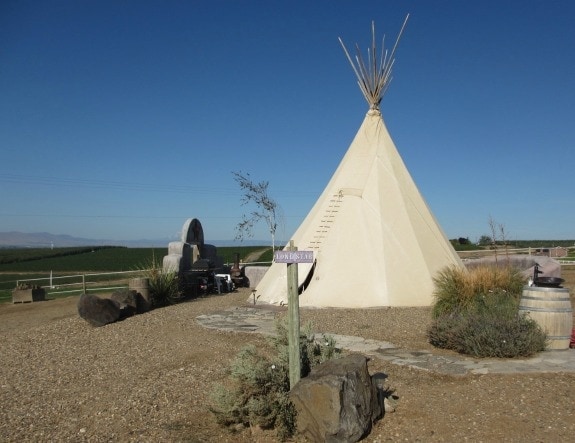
267,208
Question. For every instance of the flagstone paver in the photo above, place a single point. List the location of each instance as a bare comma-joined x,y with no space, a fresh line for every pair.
262,321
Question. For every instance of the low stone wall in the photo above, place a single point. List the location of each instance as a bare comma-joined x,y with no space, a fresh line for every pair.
549,266
255,274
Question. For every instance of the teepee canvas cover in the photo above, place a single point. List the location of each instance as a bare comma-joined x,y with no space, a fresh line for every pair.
375,241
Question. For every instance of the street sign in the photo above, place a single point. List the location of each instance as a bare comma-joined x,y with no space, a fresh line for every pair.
293,256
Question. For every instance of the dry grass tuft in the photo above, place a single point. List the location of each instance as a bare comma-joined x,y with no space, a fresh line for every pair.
457,288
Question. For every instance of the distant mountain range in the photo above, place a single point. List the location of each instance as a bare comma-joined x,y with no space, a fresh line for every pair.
46,240
16,239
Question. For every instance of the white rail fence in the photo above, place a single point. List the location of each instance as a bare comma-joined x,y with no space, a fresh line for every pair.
82,283
111,281
87,282
552,252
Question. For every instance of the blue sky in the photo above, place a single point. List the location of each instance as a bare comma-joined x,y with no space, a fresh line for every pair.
120,119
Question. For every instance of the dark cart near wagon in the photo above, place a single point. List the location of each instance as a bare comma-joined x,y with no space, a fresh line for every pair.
200,278
205,277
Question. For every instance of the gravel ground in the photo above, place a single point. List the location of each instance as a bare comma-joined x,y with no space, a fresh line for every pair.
148,378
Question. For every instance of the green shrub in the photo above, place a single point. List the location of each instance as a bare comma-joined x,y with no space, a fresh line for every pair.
445,331
490,327
312,353
257,393
164,288
476,312
163,285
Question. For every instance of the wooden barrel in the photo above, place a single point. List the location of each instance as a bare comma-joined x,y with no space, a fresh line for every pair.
141,286
551,309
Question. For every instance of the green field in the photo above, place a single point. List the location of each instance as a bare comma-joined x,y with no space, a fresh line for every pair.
30,263
517,244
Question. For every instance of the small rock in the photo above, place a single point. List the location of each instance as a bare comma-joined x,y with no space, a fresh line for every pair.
388,405
131,302
98,311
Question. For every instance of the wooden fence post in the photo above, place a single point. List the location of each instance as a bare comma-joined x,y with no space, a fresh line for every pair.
293,322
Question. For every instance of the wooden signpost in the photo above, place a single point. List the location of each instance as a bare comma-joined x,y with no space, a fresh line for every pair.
291,256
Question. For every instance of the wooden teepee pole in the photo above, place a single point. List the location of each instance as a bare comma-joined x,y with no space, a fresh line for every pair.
373,76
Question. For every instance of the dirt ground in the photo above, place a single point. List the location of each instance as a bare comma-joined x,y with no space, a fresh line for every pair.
430,407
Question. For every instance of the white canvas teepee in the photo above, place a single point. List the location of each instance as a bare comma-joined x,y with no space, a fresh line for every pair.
375,241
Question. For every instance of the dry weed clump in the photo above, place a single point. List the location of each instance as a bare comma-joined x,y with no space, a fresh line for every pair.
457,288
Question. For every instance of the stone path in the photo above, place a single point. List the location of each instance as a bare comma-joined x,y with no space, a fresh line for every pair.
262,321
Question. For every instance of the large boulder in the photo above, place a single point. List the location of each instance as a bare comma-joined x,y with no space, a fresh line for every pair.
337,401
98,311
